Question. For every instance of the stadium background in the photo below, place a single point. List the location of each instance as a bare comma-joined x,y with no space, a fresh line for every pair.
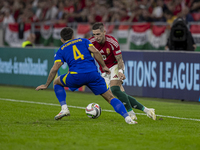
138,25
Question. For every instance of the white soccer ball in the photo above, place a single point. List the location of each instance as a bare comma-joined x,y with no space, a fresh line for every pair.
93,110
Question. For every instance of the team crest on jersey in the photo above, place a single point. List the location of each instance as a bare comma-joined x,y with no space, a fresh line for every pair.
108,51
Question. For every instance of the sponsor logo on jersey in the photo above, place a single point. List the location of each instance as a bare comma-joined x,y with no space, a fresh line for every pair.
115,76
101,51
108,51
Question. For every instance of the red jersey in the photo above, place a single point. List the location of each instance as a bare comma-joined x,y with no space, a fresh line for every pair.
108,50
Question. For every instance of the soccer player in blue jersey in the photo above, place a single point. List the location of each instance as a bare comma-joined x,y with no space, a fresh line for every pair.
82,71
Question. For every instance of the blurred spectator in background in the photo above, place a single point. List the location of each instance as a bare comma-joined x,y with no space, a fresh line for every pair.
134,16
1,17
188,3
26,14
119,15
195,6
102,14
69,8
8,18
79,5
64,19
158,11
100,10
169,17
60,11
186,15
5,6
52,10
91,18
179,4
82,16
18,8
176,6
30,41
41,10
145,16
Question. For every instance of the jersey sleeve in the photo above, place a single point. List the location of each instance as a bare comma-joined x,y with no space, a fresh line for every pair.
88,43
58,57
115,46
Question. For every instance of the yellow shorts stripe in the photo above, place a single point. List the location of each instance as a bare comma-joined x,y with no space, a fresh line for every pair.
64,78
71,72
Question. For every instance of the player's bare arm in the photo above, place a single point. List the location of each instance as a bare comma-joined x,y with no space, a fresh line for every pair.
120,66
99,58
120,61
51,76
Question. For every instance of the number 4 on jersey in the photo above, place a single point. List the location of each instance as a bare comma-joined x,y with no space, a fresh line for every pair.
77,53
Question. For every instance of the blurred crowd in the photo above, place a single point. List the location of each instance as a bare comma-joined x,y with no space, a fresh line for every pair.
90,11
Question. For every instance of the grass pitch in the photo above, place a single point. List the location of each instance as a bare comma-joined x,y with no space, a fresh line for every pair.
27,123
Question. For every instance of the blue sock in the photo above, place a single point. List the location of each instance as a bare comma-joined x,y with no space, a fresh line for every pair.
60,94
119,107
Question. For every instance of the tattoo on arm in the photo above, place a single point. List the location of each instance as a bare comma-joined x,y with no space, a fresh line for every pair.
120,61
53,72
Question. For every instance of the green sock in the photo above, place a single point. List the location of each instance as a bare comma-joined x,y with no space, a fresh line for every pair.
134,103
122,97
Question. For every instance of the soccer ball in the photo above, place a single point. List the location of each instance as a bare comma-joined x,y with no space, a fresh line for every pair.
93,110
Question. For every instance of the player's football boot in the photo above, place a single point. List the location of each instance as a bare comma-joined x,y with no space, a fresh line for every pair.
151,113
61,114
132,115
129,120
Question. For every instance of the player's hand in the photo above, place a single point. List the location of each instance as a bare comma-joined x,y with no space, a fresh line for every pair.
41,87
106,70
121,76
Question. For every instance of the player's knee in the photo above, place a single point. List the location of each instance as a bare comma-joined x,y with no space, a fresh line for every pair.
56,81
115,90
108,96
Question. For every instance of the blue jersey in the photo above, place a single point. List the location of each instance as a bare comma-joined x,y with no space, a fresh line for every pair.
76,54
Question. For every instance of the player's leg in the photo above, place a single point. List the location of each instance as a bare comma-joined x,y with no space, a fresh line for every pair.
115,88
98,86
114,83
118,106
135,104
61,96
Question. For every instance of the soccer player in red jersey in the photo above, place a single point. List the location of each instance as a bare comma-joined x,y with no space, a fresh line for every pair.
82,71
109,48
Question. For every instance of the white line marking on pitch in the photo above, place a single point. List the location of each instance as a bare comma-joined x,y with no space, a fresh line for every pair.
41,103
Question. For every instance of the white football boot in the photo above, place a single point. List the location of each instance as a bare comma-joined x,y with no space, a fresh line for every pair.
151,113
132,115
62,113
129,120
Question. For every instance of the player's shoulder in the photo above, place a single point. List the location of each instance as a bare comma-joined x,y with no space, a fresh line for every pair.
111,40
79,40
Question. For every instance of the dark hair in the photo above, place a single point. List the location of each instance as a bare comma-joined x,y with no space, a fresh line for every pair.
98,25
66,33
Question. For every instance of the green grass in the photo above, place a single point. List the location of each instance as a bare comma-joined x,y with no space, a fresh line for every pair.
31,126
